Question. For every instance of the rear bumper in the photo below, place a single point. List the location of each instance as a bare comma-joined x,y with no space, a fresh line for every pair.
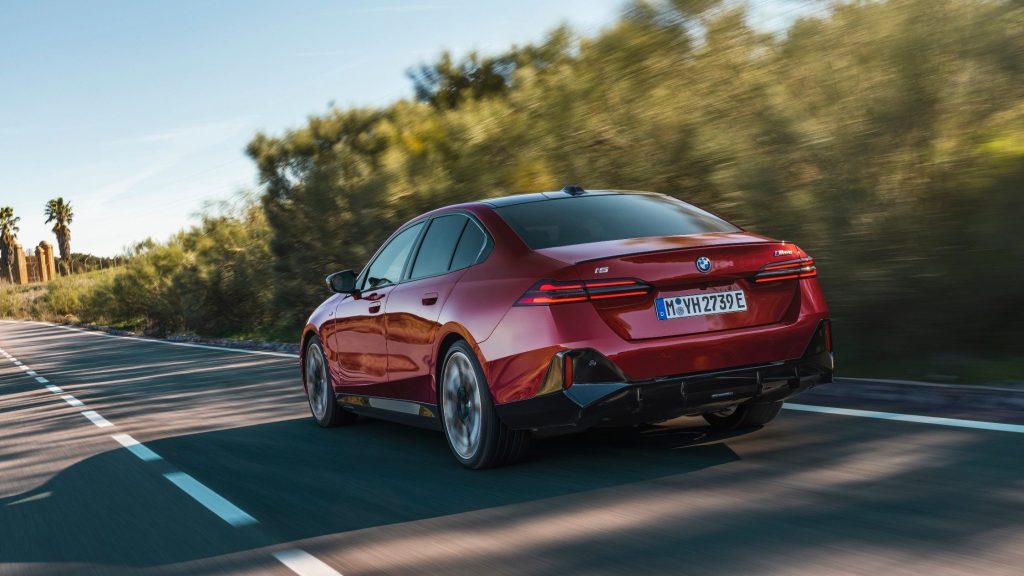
624,403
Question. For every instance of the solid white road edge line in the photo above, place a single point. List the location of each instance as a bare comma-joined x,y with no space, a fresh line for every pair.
211,500
304,564
154,341
954,422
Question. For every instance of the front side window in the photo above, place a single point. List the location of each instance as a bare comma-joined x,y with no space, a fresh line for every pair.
387,267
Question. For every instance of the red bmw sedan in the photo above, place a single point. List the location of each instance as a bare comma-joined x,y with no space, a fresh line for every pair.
549,313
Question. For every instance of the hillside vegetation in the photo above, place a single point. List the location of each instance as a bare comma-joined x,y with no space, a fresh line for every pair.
885,138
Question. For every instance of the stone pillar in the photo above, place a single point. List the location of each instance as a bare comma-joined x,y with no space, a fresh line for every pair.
47,269
19,265
40,264
50,265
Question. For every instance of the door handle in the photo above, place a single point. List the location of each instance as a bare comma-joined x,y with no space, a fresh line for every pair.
374,308
429,298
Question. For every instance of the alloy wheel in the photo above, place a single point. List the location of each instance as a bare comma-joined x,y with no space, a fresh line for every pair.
461,405
317,388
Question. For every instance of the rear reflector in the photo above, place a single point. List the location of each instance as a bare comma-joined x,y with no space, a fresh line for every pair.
788,270
547,292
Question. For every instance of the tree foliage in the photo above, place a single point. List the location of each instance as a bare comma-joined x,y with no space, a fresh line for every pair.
61,214
8,238
212,279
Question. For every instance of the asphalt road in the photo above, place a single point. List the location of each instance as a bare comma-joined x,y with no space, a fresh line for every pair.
231,476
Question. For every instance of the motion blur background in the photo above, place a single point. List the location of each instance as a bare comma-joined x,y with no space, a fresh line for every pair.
886,138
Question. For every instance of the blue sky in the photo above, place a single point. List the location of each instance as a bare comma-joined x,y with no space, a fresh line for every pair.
138,112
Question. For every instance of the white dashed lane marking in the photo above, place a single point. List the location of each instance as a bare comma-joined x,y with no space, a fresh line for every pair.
72,400
96,419
304,564
136,448
211,500
298,561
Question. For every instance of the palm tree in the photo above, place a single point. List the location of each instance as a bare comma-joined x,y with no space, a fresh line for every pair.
8,236
60,213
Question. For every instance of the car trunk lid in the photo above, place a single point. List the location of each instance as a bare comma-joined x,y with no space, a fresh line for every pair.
670,266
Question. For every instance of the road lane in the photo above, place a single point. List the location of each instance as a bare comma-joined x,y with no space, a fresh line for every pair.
811,493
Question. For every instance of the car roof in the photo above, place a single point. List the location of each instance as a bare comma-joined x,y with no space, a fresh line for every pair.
554,195
500,201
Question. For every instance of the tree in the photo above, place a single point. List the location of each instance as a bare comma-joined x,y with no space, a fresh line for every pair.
8,236
60,213
447,84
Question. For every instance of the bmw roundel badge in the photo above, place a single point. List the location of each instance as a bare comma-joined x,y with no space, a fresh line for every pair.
704,264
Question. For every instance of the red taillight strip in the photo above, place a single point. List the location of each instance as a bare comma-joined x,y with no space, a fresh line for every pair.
555,287
618,294
558,292
551,299
605,284
808,272
789,264
788,270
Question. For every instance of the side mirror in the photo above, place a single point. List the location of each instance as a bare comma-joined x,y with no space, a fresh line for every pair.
343,282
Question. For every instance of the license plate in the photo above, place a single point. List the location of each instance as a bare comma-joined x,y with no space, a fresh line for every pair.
700,304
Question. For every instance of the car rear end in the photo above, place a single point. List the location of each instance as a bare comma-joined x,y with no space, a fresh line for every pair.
647,309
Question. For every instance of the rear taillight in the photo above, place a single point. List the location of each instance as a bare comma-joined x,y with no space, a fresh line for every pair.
547,292
799,268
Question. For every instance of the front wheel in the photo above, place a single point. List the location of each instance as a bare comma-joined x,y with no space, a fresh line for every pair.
475,434
744,416
319,390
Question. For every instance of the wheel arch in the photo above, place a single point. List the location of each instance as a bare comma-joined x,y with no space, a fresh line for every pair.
447,336
307,334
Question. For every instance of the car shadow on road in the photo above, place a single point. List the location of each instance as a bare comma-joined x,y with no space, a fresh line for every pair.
301,481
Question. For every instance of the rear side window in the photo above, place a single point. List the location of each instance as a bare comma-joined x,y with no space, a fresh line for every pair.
584,219
471,247
435,254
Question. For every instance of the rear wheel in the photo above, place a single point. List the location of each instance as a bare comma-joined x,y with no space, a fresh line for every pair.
319,390
475,434
744,415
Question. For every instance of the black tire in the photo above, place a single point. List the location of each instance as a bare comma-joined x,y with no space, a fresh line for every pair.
744,416
319,390
496,444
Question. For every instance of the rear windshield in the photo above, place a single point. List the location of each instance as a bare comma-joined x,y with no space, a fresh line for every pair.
584,219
